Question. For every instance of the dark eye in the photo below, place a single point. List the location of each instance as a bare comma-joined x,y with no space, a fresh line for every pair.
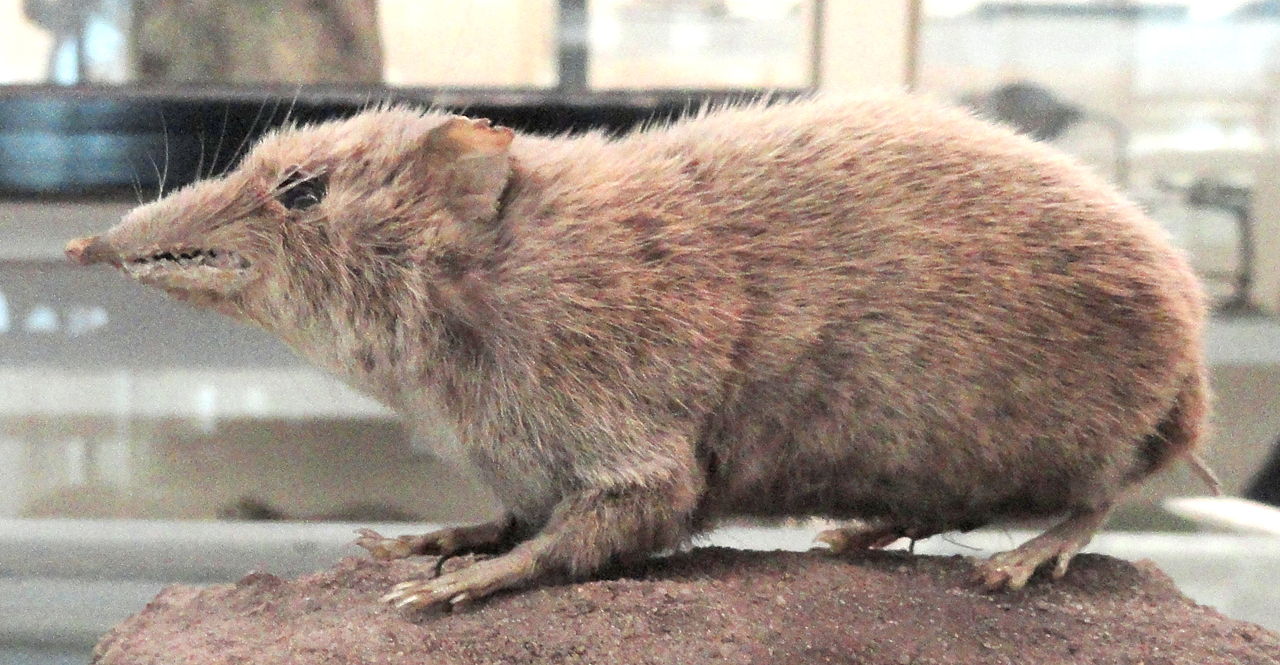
299,191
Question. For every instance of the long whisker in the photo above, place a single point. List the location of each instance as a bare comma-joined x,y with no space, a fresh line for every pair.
164,177
275,110
222,134
245,139
200,163
288,114
156,167
133,177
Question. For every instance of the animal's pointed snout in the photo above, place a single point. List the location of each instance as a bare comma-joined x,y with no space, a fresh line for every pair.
91,250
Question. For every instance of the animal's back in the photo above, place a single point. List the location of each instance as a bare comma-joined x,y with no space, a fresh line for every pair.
939,320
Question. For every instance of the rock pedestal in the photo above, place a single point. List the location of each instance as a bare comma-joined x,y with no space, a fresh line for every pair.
704,606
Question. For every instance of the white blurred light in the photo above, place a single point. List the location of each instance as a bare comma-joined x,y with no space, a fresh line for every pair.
77,452
1212,10
949,8
255,401
689,37
760,10
605,31
41,319
206,397
81,320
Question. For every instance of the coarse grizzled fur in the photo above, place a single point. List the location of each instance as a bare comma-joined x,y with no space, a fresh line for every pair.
874,308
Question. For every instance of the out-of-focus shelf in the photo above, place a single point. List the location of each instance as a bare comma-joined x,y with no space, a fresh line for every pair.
1252,340
201,394
38,230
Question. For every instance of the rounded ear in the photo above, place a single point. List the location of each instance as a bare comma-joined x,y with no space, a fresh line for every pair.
459,138
470,160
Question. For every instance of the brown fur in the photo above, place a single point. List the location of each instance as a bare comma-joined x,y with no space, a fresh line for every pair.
874,308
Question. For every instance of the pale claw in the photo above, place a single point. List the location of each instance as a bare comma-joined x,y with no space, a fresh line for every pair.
475,581
1011,570
862,536
1008,570
447,542
1064,560
383,548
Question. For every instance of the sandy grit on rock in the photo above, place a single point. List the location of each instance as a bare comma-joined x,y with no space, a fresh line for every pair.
704,606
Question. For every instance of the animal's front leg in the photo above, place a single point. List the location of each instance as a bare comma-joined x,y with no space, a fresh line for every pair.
488,537
586,531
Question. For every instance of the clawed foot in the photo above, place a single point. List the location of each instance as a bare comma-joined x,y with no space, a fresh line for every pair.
386,549
853,538
1011,570
869,535
475,581
488,537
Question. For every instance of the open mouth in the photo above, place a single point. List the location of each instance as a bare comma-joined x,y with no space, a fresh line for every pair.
219,259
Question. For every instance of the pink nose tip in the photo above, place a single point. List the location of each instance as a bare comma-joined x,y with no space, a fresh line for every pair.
87,251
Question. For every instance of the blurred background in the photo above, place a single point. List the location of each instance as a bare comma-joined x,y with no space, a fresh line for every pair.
118,405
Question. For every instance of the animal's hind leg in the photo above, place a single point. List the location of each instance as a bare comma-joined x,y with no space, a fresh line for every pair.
1012,569
867,535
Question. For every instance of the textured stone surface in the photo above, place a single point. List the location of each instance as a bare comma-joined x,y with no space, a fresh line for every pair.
705,606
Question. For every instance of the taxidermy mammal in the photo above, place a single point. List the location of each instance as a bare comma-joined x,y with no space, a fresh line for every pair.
876,309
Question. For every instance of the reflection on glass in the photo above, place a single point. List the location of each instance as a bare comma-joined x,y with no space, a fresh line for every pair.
248,41
479,43
1170,100
701,43
231,41
505,43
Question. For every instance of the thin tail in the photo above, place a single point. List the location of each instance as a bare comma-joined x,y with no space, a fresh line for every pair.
1203,472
